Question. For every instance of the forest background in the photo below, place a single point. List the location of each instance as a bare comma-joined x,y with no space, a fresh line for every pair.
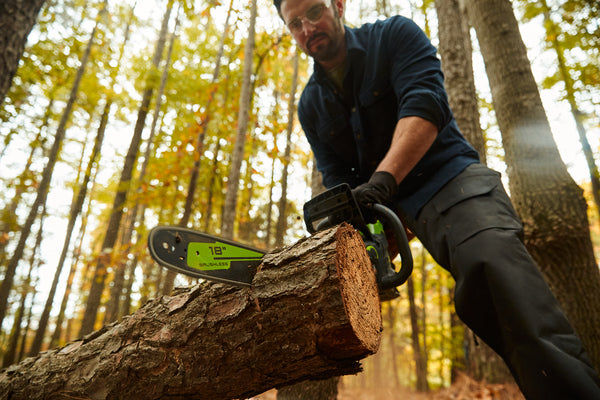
182,63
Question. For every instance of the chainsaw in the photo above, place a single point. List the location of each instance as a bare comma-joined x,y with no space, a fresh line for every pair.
338,205
205,256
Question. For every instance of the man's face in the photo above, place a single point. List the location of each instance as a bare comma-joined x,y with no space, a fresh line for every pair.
317,27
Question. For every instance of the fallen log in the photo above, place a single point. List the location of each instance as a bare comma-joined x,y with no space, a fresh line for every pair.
312,312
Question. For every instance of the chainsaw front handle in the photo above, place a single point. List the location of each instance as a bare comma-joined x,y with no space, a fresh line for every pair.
394,279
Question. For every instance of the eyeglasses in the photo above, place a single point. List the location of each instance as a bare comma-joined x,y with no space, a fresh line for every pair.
313,15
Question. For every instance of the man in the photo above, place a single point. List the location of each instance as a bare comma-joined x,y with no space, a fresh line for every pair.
376,115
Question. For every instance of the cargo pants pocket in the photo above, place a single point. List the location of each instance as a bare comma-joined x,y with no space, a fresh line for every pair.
473,201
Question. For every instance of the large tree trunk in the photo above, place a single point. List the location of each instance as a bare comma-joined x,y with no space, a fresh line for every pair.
17,18
553,35
457,62
549,202
312,312
480,361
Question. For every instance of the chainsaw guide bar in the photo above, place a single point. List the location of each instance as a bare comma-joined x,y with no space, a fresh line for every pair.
204,256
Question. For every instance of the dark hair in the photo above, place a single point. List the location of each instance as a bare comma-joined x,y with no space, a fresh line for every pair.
278,6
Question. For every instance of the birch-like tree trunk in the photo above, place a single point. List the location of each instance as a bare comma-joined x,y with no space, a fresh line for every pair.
10,355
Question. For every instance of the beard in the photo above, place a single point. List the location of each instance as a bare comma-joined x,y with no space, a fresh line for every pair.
325,46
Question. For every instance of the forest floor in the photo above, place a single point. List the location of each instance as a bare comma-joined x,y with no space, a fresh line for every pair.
464,388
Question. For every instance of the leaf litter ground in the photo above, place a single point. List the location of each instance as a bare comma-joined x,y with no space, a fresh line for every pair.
464,388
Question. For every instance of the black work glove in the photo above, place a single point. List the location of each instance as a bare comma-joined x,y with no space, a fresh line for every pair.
380,189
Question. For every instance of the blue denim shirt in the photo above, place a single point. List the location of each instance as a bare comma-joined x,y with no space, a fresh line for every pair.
392,72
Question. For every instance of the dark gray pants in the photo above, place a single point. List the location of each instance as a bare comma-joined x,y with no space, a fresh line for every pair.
472,230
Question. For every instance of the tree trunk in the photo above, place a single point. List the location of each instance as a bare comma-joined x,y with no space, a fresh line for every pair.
216,181
312,312
17,18
553,31
326,389
316,181
112,230
112,308
75,258
282,219
211,183
459,354
233,181
199,151
21,353
420,365
44,184
441,326
15,334
457,62
76,207
246,224
549,202
391,314
457,53
8,217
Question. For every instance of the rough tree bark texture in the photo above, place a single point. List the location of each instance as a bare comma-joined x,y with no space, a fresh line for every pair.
457,52
17,18
548,200
312,312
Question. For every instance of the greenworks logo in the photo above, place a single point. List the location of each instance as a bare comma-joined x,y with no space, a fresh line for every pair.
217,255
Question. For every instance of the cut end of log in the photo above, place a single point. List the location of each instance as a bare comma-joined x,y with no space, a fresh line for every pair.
360,296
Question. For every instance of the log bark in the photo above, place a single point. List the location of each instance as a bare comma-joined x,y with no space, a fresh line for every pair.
312,312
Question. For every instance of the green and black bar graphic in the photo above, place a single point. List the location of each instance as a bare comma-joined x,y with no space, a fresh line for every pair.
204,256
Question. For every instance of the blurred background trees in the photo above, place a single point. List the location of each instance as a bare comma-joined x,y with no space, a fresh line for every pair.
122,116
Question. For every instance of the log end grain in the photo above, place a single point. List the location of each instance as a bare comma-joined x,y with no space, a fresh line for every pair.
358,288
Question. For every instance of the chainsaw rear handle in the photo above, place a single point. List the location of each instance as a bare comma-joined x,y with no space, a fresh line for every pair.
395,279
